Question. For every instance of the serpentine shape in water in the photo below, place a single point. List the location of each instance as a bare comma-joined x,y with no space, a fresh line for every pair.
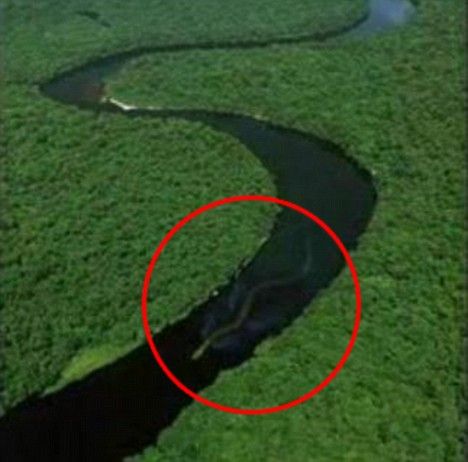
118,410
217,337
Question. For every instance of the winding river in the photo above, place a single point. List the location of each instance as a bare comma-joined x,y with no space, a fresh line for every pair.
120,409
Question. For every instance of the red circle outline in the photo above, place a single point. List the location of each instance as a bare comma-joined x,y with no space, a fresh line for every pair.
267,410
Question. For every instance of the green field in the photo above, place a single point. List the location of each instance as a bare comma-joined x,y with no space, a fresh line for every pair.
89,196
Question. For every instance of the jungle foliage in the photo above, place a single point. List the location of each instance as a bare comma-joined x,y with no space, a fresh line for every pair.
90,196
394,103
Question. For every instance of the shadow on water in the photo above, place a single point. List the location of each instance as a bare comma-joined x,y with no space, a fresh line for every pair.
120,409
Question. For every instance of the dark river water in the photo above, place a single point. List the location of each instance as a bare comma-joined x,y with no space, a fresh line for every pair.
120,409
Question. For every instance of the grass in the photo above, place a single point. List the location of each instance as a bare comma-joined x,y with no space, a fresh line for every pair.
84,203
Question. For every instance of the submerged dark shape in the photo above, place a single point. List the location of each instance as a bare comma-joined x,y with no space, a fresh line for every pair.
246,312
121,408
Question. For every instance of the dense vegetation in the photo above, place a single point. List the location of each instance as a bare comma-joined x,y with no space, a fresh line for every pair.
48,35
396,107
90,196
